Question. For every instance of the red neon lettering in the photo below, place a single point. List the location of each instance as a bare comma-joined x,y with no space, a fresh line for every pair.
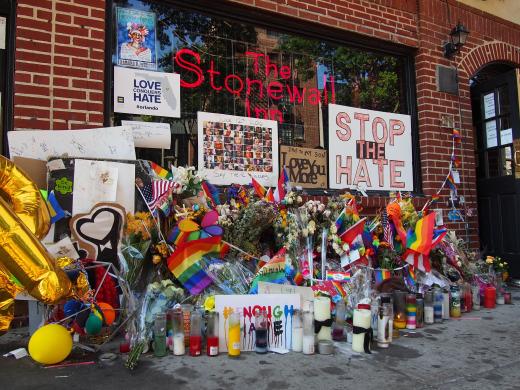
295,94
255,56
250,82
231,90
275,90
285,72
184,64
213,72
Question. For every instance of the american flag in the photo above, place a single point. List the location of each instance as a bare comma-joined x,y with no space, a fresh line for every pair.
387,229
154,193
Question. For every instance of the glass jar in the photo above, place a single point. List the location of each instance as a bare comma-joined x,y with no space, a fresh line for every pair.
438,298
475,293
399,309
385,324
297,331
261,331
490,296
419,317
178,332
234,334
411,311
338,329
159,335
212,334
195,333
308,333
186,311
455,302
428,308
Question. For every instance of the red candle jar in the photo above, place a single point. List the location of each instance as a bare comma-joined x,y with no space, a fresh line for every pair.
490,296
124,347
212,346
507,298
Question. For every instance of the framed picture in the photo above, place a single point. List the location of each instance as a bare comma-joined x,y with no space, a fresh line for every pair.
136,33
232,149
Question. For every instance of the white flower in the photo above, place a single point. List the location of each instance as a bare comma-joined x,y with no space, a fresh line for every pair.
321,207
299,199
311,227
305,232
326,213
289,201
333,228
459,263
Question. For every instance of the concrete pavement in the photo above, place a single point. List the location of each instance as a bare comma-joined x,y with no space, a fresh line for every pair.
480,350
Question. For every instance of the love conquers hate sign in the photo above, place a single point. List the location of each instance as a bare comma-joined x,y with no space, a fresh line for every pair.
369,149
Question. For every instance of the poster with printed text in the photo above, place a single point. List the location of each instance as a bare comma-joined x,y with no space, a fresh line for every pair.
232,149
136,33
279,308
370,150
144,92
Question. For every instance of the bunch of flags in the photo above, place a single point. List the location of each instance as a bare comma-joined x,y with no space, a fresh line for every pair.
157,193
269,195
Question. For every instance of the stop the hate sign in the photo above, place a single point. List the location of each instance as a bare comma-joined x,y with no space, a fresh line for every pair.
369,149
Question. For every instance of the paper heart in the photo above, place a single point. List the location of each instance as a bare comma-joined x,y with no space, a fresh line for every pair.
100,226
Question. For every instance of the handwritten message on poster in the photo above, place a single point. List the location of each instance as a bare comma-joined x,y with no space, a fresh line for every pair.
369,149
306,167
279,308
232,149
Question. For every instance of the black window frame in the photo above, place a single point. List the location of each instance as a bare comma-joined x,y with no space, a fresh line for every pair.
8,8
285,24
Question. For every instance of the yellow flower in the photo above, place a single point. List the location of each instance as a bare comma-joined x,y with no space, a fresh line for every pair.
209,303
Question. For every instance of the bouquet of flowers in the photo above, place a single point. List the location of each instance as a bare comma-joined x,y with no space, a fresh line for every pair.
188,181
159,297
230,277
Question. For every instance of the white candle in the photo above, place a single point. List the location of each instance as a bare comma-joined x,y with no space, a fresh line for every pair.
297,339
384,331
308,345
445,305
428,314
362,319
322,313
178,344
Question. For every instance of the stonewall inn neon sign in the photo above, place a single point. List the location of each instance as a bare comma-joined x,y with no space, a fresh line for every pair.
246,87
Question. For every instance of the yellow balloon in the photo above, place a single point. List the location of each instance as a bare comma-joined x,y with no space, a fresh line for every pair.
50,344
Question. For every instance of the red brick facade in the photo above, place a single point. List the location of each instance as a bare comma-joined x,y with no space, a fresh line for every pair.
60,48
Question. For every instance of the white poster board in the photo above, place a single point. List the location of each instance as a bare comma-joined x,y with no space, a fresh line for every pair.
369,149
144,92
489,105
279,309
491,134
232,149
114,143
150,134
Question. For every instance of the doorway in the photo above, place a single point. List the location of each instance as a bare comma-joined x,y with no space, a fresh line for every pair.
494,96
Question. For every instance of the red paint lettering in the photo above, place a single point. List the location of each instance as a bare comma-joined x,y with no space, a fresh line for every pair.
362,118
185,64
394,174
396,128
343,170
341,120
379,121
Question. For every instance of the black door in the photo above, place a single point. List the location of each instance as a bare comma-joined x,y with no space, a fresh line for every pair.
496,119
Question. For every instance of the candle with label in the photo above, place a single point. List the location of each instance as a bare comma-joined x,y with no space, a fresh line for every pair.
234,334
438,299
308,333
475,292
419,317
212,334
195,333
297,331
455,302
361,330
445,305
428,308
399,309
385,323
411,311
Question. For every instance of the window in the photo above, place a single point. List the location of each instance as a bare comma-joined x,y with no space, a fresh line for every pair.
247,69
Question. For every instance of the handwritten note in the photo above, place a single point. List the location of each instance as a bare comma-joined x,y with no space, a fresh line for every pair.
306,293
115,143
150,134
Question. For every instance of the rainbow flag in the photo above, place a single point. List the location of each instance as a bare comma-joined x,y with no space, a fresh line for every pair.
451,182
435,198
273,271
456,161
420,240
438,235
298,279
269,196
353,209
456,136
340,221
259,189
341,277
279,193
55,210
410,278
353,232
160,171
184,263
211,193
382,275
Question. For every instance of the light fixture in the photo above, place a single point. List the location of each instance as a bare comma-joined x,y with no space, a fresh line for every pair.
457,39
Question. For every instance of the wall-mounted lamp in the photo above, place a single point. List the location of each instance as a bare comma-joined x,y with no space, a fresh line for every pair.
457,39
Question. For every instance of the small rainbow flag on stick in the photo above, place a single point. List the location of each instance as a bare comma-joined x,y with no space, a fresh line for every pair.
259,189
382,275
184,263
160,171
450,181
341,277
420,240
456,136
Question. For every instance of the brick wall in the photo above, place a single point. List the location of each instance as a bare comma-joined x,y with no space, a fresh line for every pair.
59,64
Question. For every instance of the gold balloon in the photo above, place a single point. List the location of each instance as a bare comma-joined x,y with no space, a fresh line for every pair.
8,291
24,218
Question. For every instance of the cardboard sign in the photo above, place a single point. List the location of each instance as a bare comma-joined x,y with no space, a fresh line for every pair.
279,307
306,167
305,293
369,149
143,92
232,149
150,134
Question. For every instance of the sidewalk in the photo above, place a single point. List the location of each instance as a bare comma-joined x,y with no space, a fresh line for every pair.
480,350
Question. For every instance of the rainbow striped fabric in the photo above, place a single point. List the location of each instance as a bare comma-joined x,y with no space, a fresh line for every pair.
456,136
450,180
259,189
381,275
273,271
160,171
341,277
420,240
184,263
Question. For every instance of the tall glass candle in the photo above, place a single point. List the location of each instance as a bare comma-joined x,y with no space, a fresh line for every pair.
186,311
234,334
178,332
475,292
261,331
212,334
308,333
297,331
445,305
437,304
361,323
411,311
374,308
385,324
507,298
428,308
338,329
159,335
399,309
195,333
490,296
322,317
419,318
468,297
455,302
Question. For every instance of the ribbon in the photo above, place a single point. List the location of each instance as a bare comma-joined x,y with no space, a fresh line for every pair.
319,324
369,335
